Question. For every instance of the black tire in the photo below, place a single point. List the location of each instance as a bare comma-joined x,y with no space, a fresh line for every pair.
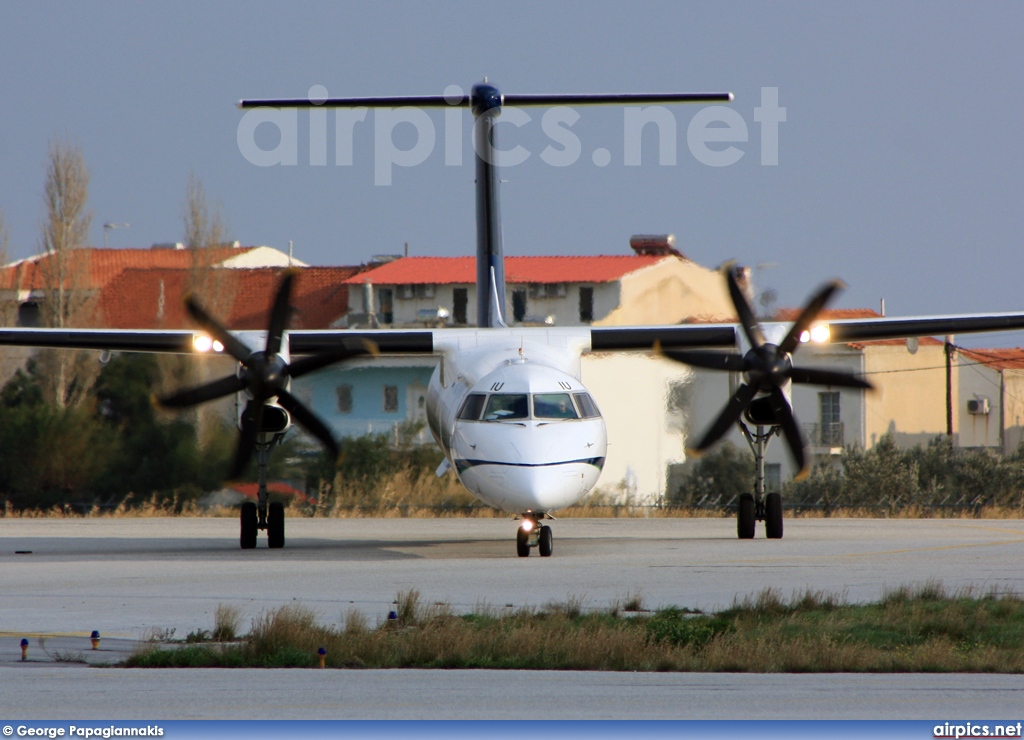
275,525
249,525
773,516
545,542
522,543
745,517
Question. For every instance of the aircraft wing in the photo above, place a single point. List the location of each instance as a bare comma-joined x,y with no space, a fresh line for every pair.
127,340
603,339
865,330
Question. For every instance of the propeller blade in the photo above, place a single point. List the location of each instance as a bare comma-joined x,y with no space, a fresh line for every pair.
730,414
746,314
252,419
710,360
322,359
309,421
790,430
280,313
809,314
201,394
817,376
234,346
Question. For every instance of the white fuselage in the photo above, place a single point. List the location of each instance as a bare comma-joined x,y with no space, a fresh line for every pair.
513,418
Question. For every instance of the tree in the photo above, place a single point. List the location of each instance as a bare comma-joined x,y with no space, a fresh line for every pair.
205,231
8,309
4,238
65,230
722,475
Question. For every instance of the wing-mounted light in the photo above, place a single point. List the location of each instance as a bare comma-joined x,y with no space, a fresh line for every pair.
817,334
205,344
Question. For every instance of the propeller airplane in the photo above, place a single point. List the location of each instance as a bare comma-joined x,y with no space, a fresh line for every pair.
506,404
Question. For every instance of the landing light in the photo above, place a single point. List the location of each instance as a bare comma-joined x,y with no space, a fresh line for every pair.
818,334
527,525
204,343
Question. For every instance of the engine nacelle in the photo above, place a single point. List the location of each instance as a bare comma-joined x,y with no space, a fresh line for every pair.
275,419
760,413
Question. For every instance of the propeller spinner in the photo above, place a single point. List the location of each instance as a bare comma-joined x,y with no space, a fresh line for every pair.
767,369
264,375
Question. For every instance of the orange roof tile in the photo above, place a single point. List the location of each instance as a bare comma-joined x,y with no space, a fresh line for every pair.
93,267
829,314
1011,358
448,270
153,298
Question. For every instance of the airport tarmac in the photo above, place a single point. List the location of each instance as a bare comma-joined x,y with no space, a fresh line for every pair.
131,578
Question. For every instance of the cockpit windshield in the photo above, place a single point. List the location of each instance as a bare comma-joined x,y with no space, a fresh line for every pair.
503,406
515,406
553,406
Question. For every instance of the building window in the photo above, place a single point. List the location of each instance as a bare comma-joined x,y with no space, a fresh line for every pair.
29,315
831,426
518,305
460,302
586,305
391,398
344,399
386,300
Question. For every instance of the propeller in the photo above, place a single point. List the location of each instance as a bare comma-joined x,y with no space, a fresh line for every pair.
767,369
264,375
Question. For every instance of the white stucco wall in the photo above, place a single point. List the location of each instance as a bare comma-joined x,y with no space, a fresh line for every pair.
644,434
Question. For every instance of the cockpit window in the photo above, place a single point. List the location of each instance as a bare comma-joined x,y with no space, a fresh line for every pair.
473,406
588,409
502,406
553,406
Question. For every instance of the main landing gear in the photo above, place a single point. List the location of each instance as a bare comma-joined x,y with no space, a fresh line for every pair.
261,515
533,534
756,506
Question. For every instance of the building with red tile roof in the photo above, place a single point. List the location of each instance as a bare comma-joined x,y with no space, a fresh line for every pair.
143,288
153,298
625,289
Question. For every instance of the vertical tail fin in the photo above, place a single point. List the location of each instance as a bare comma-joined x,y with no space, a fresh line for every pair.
490,261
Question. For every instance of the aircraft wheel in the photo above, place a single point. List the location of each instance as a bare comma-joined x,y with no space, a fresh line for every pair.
522,543
249,525
275,525
546,542
745,517
773,516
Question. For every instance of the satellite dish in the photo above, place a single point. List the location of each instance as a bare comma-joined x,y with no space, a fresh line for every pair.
912,344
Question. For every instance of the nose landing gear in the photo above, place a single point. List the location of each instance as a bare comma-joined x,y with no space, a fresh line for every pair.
532,534
758,506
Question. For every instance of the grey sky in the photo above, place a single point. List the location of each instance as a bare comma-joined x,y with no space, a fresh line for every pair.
899,169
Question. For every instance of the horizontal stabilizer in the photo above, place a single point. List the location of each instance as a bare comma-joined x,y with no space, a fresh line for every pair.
464,101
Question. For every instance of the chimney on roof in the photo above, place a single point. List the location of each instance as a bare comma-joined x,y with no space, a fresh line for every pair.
659,245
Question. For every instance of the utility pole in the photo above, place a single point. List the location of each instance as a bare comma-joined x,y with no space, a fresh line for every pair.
950,348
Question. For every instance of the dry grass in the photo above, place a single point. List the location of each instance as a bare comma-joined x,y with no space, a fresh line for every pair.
912,629
153,507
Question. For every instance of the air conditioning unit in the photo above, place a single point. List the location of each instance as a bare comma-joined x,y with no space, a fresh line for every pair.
979,405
